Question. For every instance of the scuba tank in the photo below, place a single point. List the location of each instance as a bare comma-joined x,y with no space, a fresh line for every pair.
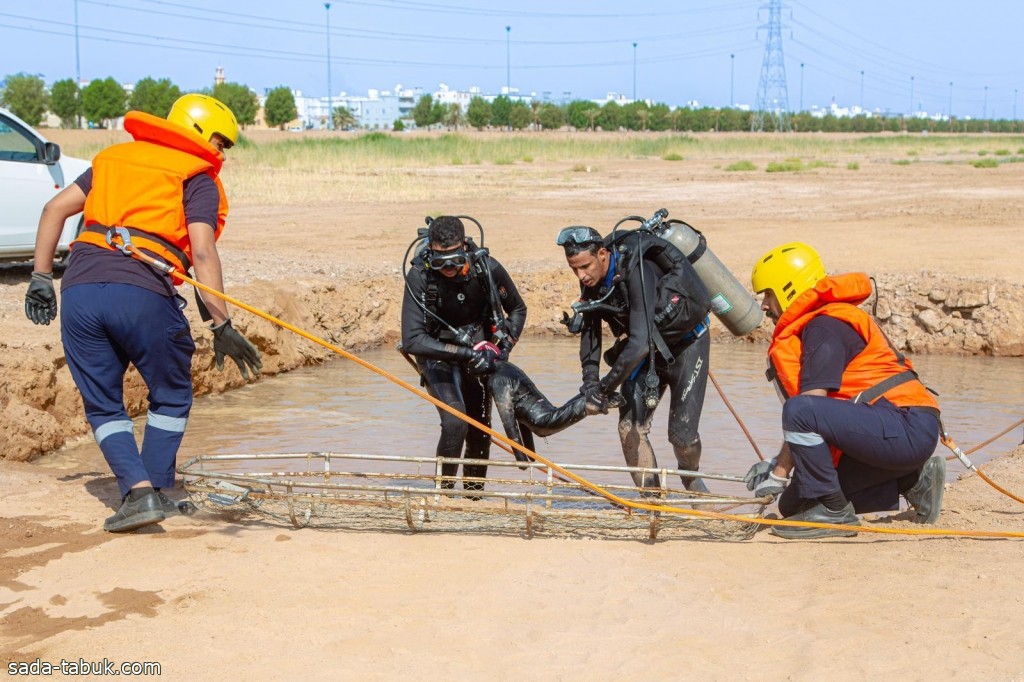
730,301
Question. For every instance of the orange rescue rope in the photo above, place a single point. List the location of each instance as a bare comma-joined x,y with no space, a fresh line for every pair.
131,250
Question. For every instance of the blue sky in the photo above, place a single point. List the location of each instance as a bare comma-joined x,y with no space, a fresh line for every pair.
704,50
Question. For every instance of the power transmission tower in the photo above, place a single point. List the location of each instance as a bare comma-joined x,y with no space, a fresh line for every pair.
772,97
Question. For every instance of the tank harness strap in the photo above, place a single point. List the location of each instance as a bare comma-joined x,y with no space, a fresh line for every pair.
135,232
430,297
702,246
702,242
663,349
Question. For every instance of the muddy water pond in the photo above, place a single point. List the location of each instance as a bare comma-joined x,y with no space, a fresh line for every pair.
345,408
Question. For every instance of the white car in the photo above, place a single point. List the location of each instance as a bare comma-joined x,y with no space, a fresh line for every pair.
32,171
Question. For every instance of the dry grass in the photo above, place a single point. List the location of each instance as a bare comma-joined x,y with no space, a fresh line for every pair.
277,168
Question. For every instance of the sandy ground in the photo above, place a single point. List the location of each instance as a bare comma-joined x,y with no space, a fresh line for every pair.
208,597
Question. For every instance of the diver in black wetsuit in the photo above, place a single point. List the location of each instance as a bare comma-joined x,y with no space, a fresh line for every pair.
456,298
651,298
525,411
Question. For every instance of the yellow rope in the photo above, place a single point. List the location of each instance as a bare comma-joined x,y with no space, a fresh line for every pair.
611,497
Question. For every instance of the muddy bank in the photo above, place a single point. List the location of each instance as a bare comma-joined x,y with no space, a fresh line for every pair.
41,408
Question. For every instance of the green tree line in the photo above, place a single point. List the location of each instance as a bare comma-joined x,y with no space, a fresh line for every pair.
641,116
104,100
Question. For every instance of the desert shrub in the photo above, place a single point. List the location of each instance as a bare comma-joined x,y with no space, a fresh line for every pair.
787,166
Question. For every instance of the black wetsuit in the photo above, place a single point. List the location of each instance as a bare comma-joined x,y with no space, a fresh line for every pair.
663,293
525,411
464,303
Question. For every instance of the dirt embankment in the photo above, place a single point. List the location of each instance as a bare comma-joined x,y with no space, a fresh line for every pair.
41,408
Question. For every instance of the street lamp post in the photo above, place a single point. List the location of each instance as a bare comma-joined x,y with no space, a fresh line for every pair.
984,106
78,65
330,112
911,96
634,72
949,109
508,70
732,80
862,91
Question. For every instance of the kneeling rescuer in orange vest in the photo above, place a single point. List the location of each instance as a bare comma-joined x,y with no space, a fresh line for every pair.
859,427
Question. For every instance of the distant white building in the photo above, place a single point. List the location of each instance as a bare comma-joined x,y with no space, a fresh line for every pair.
378,110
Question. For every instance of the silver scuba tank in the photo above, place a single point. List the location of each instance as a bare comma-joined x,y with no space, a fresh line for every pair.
730,301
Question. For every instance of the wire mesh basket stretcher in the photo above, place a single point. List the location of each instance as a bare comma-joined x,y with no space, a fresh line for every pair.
398,493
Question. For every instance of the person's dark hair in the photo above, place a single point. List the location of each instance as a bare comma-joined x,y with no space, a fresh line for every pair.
446,231
574,249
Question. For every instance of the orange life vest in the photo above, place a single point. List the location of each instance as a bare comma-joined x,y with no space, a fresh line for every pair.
139,185
879,370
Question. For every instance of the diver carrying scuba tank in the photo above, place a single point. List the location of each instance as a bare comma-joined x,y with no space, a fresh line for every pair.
656,306
459,305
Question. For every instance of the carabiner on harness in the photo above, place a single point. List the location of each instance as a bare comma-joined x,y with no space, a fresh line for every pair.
126,239
127,248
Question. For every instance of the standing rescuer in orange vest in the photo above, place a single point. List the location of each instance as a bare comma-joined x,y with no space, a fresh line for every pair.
163,192
859,427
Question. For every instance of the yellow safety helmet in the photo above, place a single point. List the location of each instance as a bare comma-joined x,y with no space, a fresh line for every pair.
206,117
788,270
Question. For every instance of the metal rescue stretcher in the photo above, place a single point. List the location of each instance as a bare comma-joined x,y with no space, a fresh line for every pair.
396,493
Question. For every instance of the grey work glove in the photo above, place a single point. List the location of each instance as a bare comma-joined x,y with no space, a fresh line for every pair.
227,341
41,299
763,482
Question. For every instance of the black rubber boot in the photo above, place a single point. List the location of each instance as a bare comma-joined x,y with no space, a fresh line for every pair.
143,511
926,495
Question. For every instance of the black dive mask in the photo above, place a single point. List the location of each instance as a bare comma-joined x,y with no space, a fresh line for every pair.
439,260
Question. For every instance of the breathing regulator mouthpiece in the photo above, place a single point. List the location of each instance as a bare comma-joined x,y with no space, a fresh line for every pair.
575,323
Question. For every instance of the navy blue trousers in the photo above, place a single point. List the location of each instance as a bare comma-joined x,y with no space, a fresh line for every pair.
884,448
104,327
